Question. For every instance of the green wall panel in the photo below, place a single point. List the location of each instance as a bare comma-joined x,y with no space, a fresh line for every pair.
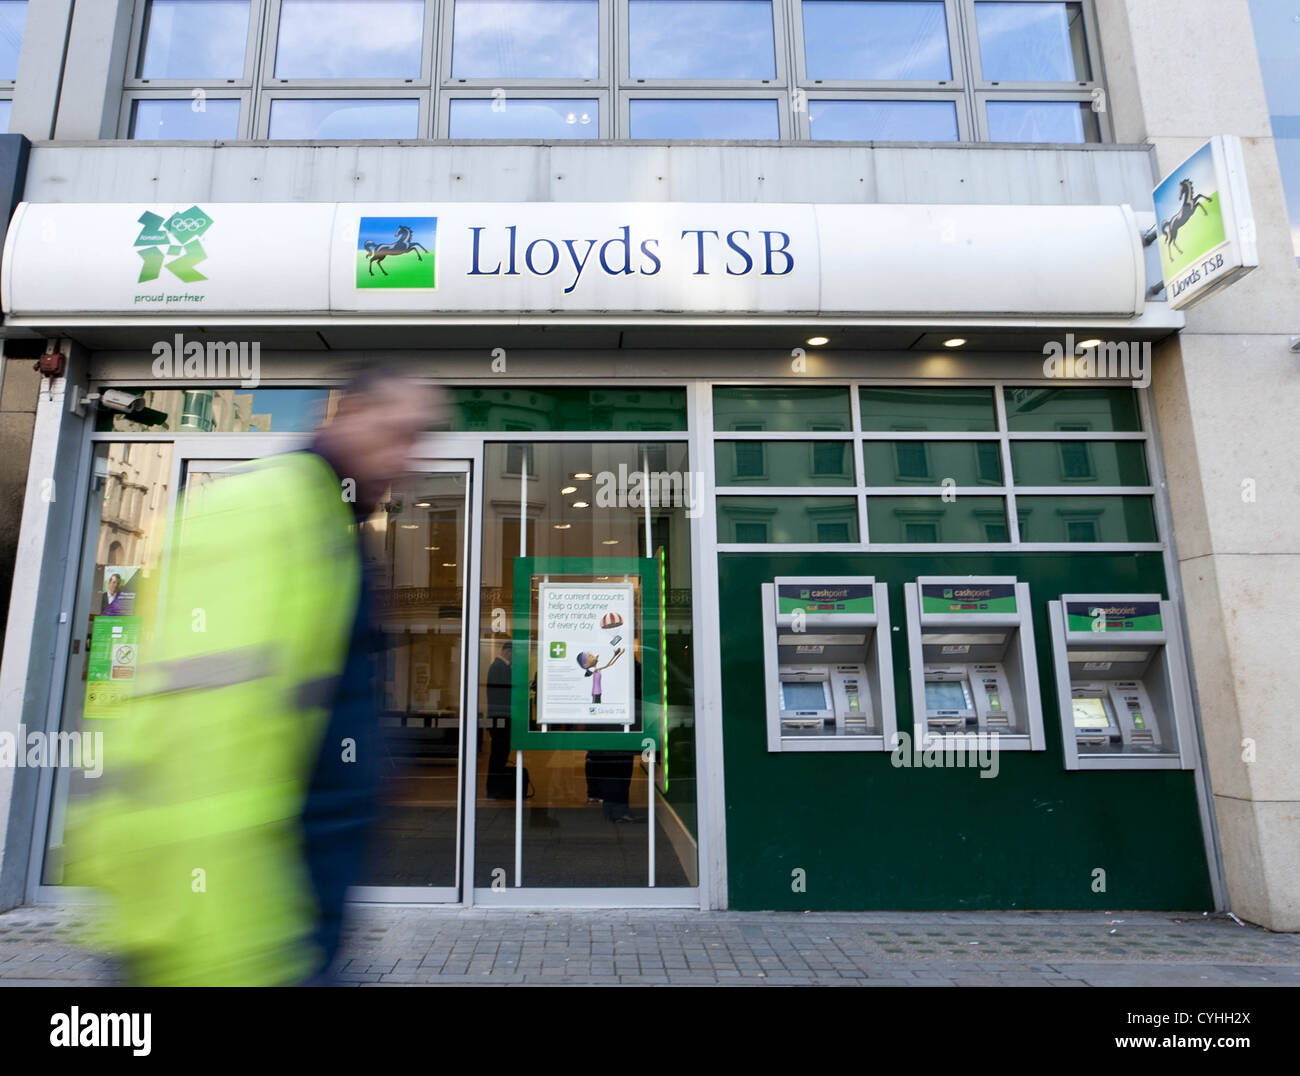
870,835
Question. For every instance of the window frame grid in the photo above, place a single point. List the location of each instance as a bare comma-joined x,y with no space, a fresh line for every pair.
623,56
1091,36
268,97
959,82
981,98
784,119
126,116
445,80
802,117
600,94
1007,491
268,80
252,55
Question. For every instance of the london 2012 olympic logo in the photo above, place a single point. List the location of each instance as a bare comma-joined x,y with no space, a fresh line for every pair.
176,237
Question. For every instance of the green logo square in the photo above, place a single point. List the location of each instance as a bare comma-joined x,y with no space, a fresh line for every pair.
557,650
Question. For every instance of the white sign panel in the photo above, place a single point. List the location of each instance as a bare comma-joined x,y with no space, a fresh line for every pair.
184,260
586,662
548,261
1206,230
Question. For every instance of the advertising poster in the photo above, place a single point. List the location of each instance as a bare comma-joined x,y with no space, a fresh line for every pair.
586,660
112,661
117,591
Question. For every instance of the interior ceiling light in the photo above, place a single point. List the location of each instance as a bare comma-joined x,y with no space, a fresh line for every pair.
581,504
581,475
956,341
569,489
817,341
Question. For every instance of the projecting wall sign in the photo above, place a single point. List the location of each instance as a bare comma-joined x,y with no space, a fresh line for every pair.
181,261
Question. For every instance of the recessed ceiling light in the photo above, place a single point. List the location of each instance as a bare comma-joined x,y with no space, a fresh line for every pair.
449,564
580,475
563,526
956,341
569,489
410,526
817,341
581,504
610,541
433,548
1085,344
423,504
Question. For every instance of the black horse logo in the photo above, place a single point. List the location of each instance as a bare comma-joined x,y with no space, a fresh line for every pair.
1170,228
403,244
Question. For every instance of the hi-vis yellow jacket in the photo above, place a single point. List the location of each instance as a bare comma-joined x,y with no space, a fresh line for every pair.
193,833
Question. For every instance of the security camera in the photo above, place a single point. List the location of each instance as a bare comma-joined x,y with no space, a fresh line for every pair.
126,402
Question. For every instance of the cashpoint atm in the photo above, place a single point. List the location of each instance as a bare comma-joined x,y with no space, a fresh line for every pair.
973,668
828,664
1122,682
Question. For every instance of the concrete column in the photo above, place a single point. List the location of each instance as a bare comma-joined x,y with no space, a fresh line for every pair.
90,96
1227,390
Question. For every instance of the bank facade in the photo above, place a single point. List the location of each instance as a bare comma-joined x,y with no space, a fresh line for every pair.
756,422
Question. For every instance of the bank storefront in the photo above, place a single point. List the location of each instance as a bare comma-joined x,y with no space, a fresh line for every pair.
827,592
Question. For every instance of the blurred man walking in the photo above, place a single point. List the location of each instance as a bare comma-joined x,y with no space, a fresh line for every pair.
244,776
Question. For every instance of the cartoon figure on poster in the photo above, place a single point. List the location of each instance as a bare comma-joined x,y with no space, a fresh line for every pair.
589,660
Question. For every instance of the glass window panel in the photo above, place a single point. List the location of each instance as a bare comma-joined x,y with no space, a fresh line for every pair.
1043,121
154,119
932,519
1098,463
6,107
927,409
788,519
350,39
199,39
526,39
783,463
13,19
567,409
337,118
876,40
1086,519
575,830
730,118
730,39
221,410
1032,42
746,408
931,463
883,121
524,117
1090,408
1277,39
126,525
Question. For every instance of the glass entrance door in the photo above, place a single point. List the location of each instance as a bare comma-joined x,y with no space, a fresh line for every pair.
416,544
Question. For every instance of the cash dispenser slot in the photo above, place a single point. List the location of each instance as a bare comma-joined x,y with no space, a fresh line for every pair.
827,664
1122,685
973,668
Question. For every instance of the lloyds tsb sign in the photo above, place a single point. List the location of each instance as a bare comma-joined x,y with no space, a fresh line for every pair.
512,250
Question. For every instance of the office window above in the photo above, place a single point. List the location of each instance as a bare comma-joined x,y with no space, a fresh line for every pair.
926,71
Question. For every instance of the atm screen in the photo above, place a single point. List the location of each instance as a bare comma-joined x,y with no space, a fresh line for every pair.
1090,714
804,696
945,695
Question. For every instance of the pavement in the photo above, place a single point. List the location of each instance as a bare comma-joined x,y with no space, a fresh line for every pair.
411,945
